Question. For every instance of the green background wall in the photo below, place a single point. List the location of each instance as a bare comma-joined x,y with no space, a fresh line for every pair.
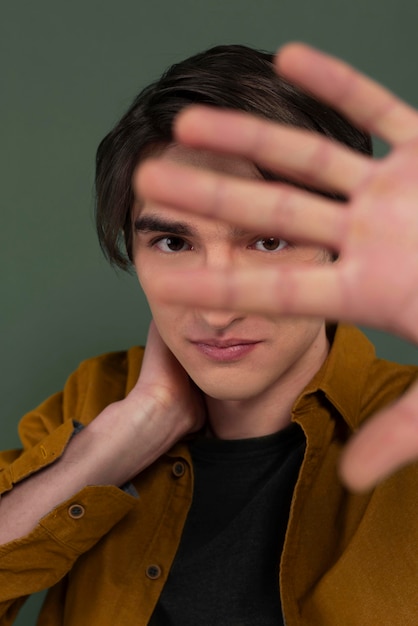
68,71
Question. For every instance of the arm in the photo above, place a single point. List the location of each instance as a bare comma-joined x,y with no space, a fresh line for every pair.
124,438
375,233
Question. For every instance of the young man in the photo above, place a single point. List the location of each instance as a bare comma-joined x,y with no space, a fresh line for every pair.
198,483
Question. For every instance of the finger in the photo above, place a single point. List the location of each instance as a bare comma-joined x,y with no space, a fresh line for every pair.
313,291
267,208
365,102
383,445
307,157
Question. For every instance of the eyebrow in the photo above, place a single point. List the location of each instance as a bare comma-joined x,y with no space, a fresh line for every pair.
155,224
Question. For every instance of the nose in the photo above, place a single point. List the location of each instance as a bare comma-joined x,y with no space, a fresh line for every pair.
219,320
219,257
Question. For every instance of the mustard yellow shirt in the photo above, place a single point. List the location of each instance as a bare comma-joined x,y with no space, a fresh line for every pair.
348,560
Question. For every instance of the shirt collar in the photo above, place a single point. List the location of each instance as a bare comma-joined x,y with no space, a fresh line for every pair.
344,373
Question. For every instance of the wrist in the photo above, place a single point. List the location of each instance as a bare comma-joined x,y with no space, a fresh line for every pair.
131,434
159,407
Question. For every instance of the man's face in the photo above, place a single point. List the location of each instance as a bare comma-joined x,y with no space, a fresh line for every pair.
228,354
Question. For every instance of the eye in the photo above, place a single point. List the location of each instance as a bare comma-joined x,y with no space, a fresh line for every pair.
270,244
171,244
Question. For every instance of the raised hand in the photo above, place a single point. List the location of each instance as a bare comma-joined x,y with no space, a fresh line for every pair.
375,233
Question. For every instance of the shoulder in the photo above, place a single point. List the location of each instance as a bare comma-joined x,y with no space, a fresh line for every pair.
113,364
385,382
99,381
95,384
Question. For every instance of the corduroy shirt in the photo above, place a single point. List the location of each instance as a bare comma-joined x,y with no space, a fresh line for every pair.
348,559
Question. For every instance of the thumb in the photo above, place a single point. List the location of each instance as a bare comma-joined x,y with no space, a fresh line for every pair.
384,444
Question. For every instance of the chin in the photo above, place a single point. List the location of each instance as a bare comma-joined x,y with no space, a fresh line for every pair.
228,389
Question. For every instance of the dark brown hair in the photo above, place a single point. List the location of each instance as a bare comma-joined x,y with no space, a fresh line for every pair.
233,77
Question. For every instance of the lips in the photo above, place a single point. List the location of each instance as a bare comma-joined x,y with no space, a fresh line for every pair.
224,343
225,350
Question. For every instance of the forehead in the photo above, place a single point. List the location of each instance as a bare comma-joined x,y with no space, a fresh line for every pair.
205,159
155,213
201,159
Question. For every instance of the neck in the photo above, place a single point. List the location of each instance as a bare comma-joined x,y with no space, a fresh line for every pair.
244,419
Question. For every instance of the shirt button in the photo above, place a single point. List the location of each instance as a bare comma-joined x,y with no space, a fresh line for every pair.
153,571
178,469
76,511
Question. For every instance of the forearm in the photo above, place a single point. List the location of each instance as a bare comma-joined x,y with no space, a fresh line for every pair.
124,439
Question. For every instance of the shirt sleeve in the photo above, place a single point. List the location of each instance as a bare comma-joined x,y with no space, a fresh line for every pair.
41,558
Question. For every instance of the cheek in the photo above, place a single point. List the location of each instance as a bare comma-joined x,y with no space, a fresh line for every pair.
168,324
142,275
294,334
166,317
145,276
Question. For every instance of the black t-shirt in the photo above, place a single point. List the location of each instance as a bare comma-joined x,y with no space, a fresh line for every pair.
226,570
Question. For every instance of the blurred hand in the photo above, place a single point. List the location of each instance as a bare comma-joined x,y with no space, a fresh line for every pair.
375,234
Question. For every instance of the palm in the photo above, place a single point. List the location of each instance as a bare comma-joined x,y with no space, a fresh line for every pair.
378,270
375,235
